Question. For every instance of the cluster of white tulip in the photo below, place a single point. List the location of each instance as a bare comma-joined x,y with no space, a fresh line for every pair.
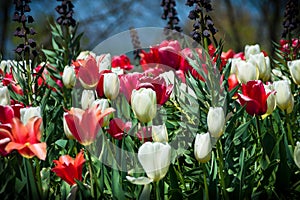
256,66
203,142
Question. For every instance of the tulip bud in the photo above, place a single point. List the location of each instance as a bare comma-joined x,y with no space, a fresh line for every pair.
216,121
294,67
87,98
284,96
143,103
251,49
160,133
68,77
111,85
102,105
27,113
271,101
246,71
203,147
66,128
4,96
297,154
155,159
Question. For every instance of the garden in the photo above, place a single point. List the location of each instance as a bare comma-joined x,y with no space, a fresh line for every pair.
149,113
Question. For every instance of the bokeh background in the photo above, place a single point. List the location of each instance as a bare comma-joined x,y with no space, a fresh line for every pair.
239,22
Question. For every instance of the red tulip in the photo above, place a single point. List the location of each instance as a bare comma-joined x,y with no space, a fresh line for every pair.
121,61
254,97
232,83
160,87
88,73
68,168
5,138
26,139
117,128
129,82
85,124
6,114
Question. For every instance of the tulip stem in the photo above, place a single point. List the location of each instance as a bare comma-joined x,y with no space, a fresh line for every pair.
91,173
157,190
205,181
289,132
221,169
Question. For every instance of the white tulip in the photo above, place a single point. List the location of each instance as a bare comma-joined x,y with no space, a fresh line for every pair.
102,105
155,159
297,154
111,85
87,99
271,101
27,113
216,121
294,67
160,133
234,62
4,96
262,63
143,103
284,96
103,61
203,147
246,71
69,77
251,49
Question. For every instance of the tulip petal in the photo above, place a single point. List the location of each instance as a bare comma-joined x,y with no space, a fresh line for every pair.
139,181
39,149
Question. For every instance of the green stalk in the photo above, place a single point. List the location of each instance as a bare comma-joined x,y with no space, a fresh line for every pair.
289,132
221,170
91,173
157,190
205,181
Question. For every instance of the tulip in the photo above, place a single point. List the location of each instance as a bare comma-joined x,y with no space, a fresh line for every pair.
69,169
103,61
144,134
284,96
7,114
143,102
111,85
26,138
203,147
262,63
68,77
102,104
5,138
27,113
155,159
121,61
234,62
88,73
85,124
297,154
271,101
251,49
87,99
216,121
129,82
4,96
254,97
246,71
117,128
160,133
66,128
294,67
159,85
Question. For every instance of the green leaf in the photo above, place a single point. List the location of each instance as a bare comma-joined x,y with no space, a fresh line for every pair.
61,143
